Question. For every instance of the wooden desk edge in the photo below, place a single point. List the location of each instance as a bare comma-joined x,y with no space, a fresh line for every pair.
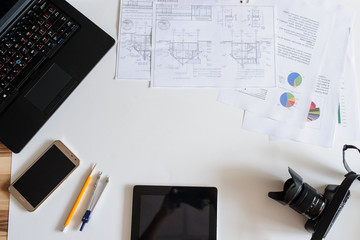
5,171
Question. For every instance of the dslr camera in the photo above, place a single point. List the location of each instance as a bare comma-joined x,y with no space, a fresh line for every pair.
321,210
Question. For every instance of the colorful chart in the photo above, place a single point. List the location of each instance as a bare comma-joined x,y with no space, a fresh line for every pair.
314,113
294,79
287,100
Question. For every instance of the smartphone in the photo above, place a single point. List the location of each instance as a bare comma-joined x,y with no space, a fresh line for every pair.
36,184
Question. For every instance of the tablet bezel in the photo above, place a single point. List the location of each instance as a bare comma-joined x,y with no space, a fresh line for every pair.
141,190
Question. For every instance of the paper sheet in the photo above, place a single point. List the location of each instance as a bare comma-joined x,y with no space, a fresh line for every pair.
134,46
349,127
322,116
303,28
207,44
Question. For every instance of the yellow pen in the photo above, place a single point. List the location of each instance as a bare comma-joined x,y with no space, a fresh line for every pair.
78,199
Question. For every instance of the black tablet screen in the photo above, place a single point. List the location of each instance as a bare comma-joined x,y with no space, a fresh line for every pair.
174,213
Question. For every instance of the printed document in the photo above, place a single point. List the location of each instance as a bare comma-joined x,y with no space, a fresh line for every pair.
322,114
349,128
303,28
203,44
134,46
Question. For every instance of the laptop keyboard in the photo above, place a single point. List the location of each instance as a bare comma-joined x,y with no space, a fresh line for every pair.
34,37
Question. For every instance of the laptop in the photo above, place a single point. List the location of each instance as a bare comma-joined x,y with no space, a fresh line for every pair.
47,48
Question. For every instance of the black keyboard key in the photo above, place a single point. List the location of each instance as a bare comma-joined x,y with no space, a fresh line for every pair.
1,65
36,38
34,28
25,27
14,38
6,69
22,65
5,59
40,22
30,44
18,56
54,17
17,46
47,25
66,34
2,50
24,50
46,15
58,24
9,77
10,88
12,63
51,45
4,95
15,71
10,52
63,29
30,12
3,84
23,40
39,46
42,31
35,7
45,39
33,52
51,9
27,58
61,40
51,33
8,44
20,32
56,37
43,6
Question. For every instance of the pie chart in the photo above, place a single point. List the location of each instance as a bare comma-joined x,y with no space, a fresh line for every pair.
314,113
294,79
287,99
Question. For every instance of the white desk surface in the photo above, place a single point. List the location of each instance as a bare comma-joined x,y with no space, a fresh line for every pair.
139,135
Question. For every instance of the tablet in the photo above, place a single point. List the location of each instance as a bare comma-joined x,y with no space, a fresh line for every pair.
174,213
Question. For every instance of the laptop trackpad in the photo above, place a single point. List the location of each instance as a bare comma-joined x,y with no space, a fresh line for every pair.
48,87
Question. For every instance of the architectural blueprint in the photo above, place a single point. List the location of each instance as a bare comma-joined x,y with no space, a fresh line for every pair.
213,45
134,45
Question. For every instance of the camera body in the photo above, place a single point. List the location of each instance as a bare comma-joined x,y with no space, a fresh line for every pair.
330,191
321,209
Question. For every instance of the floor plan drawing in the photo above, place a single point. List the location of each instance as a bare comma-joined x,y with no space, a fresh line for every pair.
249,49
216,45
134,45
255,18
245,52
186,48
138,45
185,52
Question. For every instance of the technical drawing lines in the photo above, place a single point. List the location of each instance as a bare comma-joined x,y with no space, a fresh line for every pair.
245,53
184,52
141,44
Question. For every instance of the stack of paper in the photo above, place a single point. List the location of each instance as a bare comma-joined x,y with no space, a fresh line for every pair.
309,113
288,64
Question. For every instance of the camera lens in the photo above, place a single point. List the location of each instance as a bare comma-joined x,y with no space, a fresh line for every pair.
309,202
300,196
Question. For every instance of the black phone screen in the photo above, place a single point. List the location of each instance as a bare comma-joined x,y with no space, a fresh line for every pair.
42,177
